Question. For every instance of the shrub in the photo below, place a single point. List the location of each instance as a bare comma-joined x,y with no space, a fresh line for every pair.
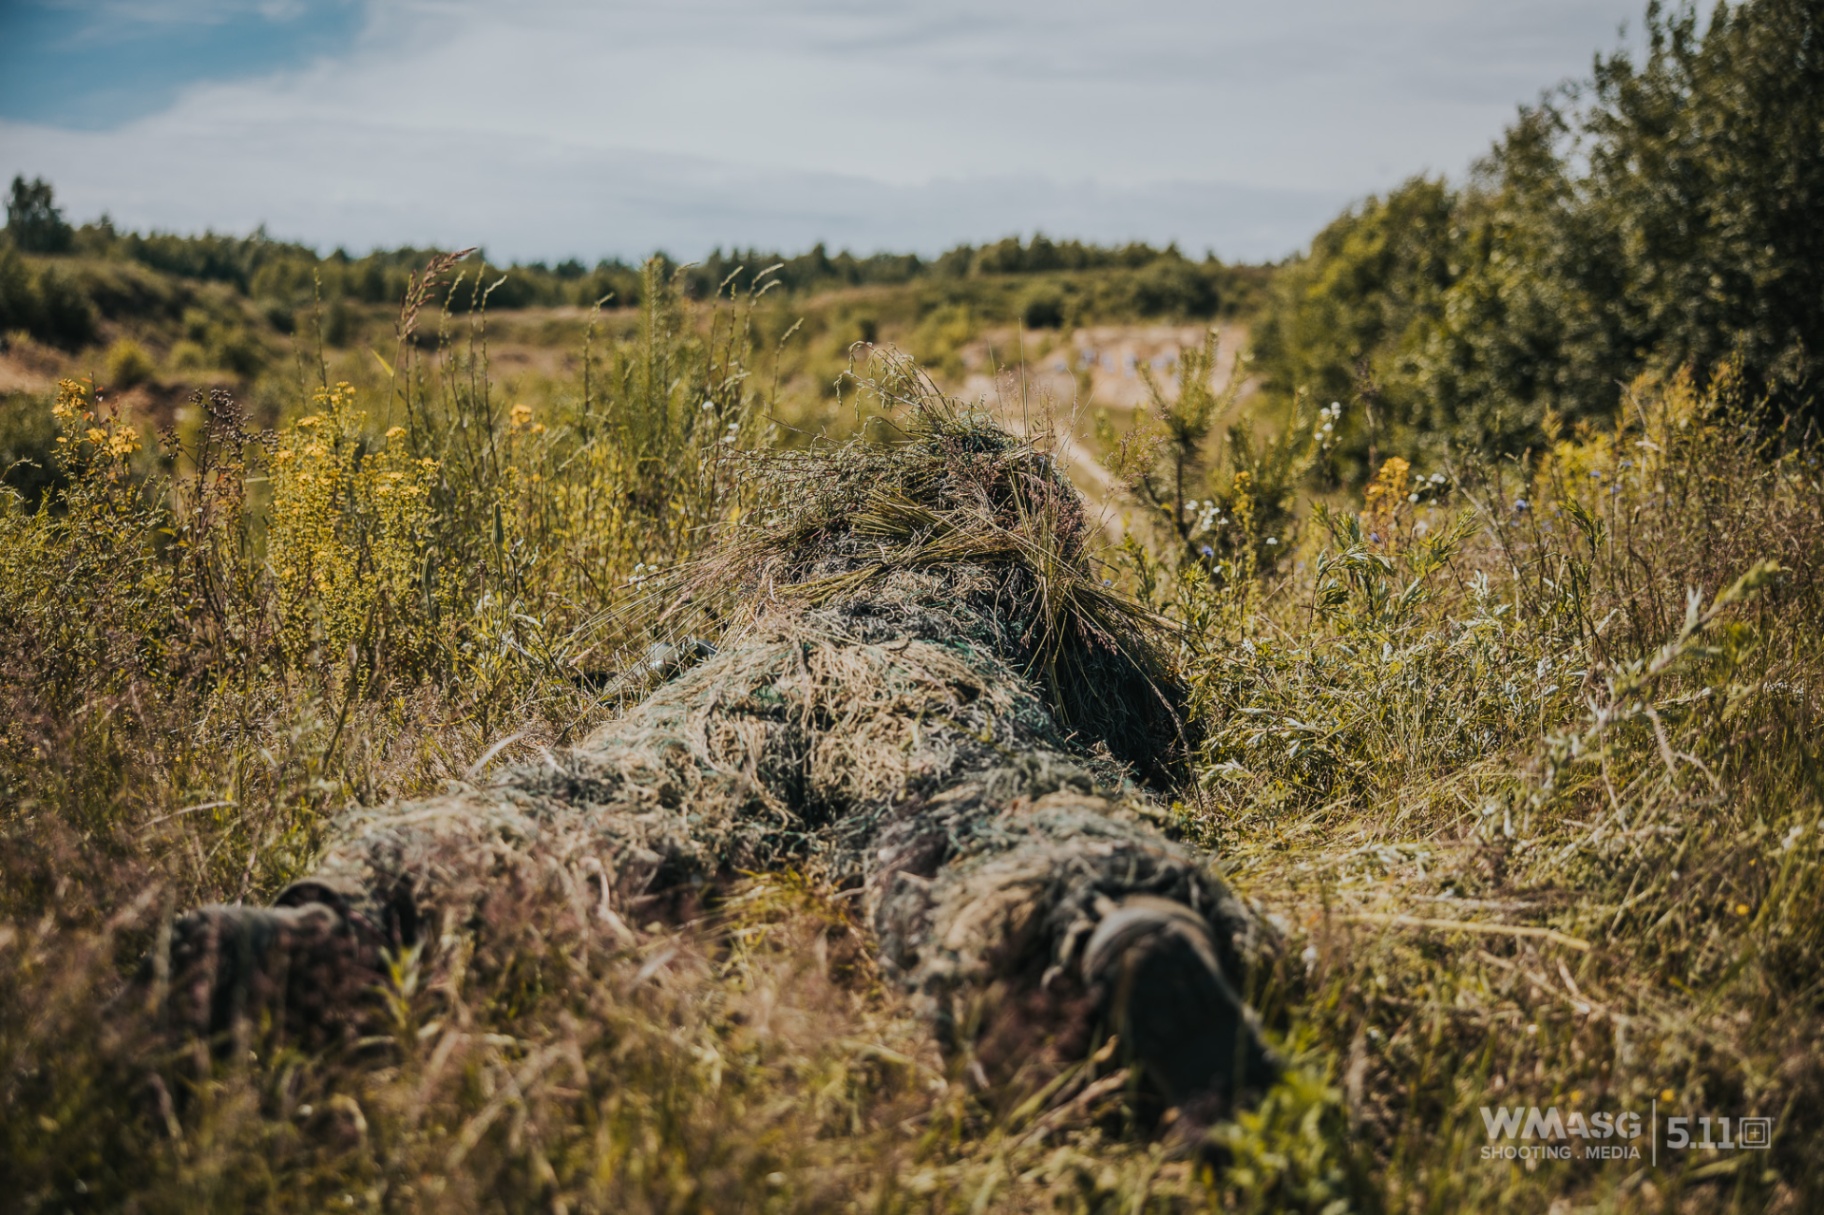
66,317
44,302
1043,310
336,324
128,365
187,355
346,537
28,438
1246,524
1663,213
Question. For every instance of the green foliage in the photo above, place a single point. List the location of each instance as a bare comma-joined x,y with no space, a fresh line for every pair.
1531,721
347,537
220,337
43,301
1664,213
1085,280
283,598
1474,720
33,220
544,519
1703,179
1291,1153
128,365
28,438
211,309
1244,523
1121,282
1044,309
1348,309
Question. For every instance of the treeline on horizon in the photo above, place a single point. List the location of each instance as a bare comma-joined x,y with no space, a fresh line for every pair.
61,304
1664,213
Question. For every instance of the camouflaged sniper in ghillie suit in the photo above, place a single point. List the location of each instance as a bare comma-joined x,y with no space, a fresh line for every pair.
925,695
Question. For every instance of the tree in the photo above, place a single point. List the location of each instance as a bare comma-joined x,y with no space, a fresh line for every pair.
1353,303
34,221
1667,211
1707,169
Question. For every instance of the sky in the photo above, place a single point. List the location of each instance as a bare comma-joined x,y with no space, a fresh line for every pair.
545,129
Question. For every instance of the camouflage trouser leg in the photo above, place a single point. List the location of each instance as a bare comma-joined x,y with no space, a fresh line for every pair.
535,854
1060,917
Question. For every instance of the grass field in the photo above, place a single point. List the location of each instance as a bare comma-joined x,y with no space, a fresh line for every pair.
1520,755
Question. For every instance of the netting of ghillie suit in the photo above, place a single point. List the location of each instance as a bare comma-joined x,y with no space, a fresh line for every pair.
922,691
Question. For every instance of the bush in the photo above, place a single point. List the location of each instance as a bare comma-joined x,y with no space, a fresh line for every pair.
18,293
44,302
336,324
187,355
1231,516
128,365
66,317
1043,310
28,437
1665,212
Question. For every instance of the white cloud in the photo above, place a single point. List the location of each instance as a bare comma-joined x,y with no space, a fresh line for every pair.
544,128
107,16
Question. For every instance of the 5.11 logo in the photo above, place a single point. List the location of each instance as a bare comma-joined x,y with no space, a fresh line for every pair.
1683,1133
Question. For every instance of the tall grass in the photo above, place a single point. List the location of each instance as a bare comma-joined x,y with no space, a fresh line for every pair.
1522,756
215,634
1526,758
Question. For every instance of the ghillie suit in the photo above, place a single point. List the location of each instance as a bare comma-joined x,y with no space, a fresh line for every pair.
922,694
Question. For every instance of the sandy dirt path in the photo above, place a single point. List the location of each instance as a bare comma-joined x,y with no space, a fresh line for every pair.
1042,394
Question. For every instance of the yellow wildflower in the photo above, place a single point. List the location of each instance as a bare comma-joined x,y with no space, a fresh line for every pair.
72,396
1384,497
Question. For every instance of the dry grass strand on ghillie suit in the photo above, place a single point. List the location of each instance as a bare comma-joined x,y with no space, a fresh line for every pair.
923,693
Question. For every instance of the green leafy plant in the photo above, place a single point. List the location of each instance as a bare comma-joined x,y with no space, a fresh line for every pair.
1661,213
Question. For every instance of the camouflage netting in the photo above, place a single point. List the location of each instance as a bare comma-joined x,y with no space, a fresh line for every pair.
922,693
